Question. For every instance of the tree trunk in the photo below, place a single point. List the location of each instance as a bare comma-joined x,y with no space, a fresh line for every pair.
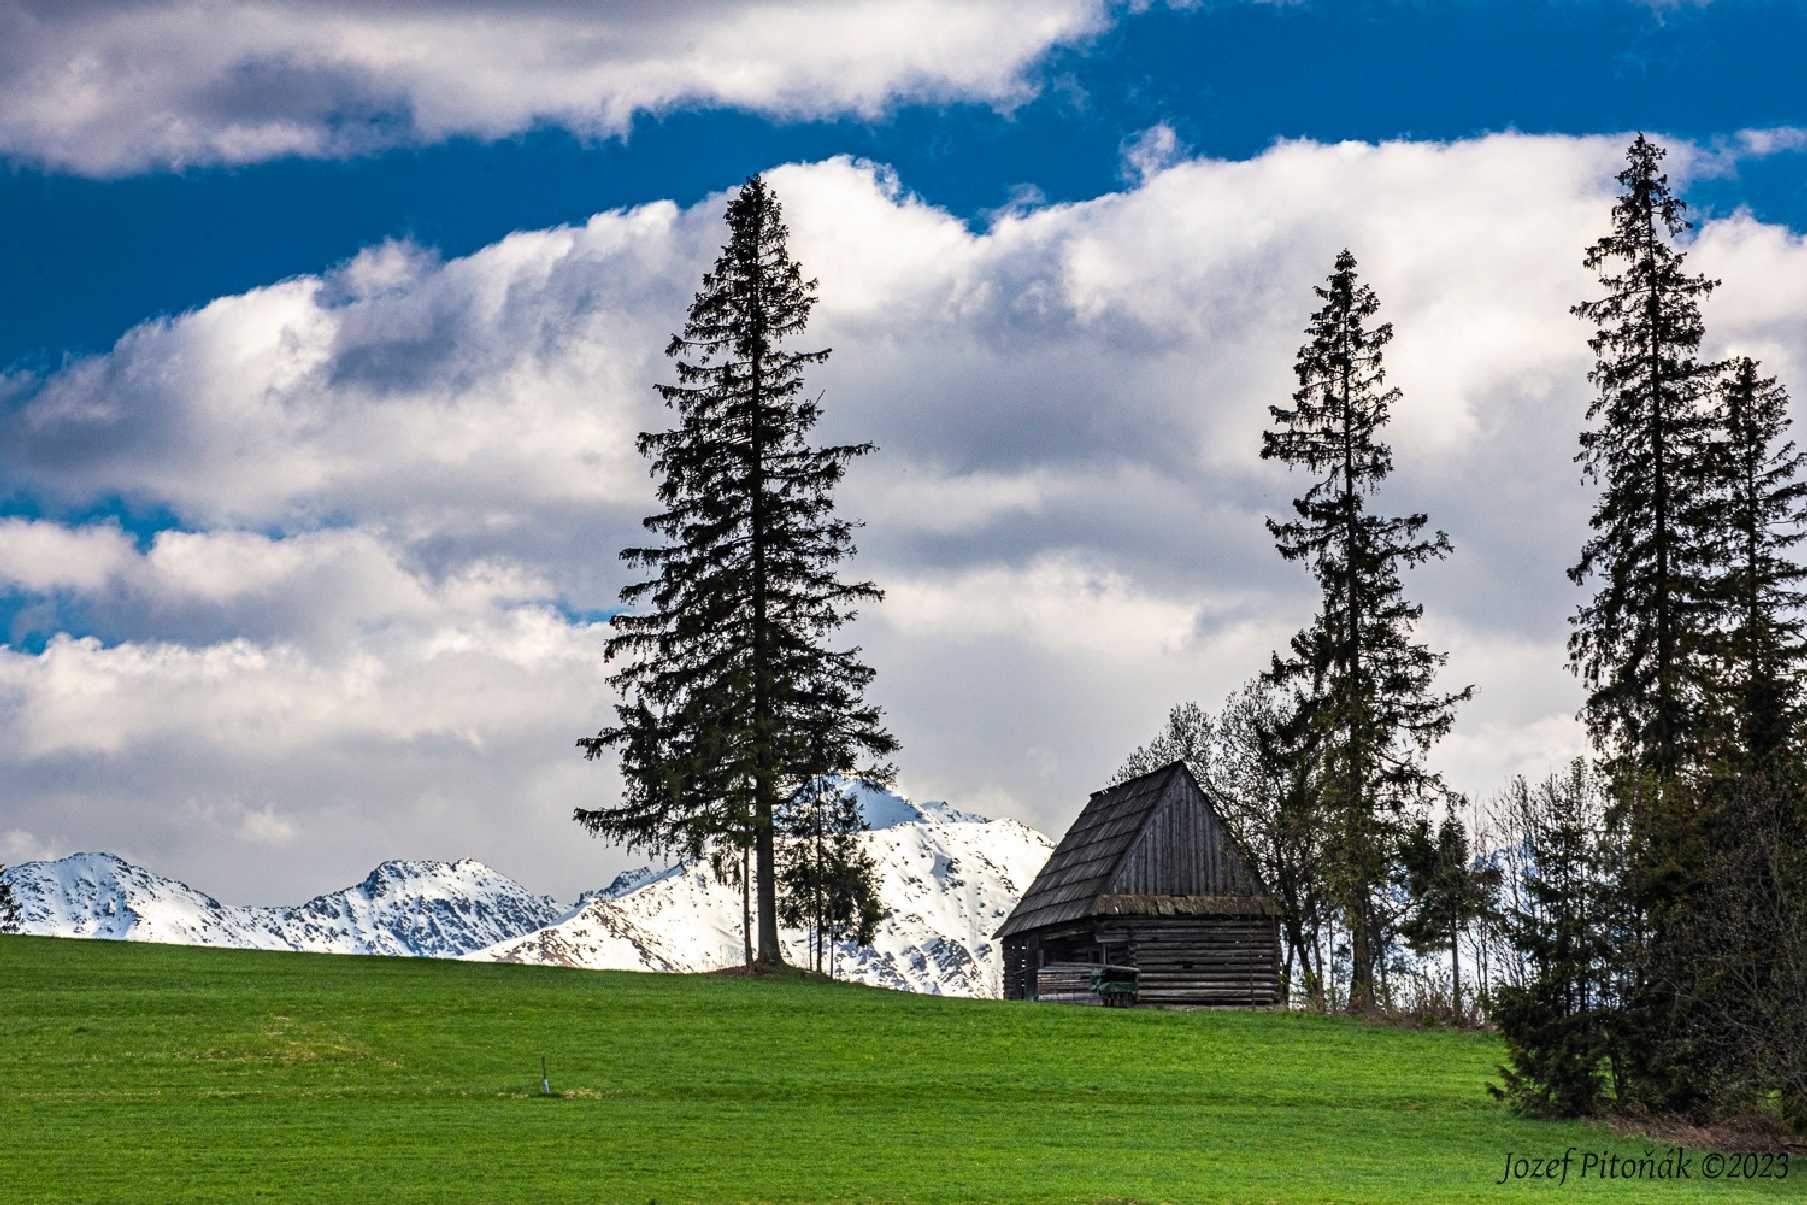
1667,761
746,908
764,705
1330,965
769,954
1361,951
1309,980
821,870
1455,966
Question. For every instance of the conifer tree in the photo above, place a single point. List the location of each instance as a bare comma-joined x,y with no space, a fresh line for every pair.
731,697
828,882
1733,946
1556,1024
1369,679
1637,643
1756,512
1449,892
1644,644
854,912
803,863
11,918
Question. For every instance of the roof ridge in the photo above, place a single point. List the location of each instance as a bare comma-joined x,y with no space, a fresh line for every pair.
1091,851
1178,761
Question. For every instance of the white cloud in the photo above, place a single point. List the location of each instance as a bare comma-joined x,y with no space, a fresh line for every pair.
1773,141
460,683
1066,505
444,737
1153,150
41,557
1057,604
110,88
318,587
17,845
263,826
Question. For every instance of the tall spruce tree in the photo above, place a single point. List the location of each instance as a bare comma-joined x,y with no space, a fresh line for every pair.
1370,681
730,695
1733,946
1757,506
1637,644
1643,644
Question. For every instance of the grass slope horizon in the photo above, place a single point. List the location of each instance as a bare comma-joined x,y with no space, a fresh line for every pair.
131,1071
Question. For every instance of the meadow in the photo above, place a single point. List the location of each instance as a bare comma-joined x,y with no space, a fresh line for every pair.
159,1073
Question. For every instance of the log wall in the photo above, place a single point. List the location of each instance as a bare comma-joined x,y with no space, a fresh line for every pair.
1189,960
1232,960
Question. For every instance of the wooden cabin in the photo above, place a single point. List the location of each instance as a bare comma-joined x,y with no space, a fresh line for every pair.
1150,877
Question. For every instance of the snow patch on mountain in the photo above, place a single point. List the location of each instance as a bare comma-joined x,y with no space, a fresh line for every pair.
432,909
948,877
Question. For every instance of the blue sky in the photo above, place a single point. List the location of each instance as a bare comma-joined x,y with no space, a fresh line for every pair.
330,328
1229,79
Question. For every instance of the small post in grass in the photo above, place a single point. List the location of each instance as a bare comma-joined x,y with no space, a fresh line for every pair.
545,1084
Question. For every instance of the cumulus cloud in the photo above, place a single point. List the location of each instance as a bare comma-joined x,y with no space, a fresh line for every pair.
42,557
394,470
442,736
107,87
316,587
443,682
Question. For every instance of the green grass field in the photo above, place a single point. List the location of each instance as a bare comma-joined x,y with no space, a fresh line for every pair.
160,1073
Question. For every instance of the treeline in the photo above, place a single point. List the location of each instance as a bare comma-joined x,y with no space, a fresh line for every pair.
1636,924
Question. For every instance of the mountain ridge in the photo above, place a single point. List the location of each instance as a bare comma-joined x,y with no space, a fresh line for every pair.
414,907
948,877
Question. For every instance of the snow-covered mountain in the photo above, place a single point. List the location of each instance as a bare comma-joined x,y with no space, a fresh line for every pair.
433,909
948,877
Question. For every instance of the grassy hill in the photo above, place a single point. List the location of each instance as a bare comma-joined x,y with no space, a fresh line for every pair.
136,1072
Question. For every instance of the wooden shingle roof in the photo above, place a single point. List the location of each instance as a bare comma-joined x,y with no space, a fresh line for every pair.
1082,865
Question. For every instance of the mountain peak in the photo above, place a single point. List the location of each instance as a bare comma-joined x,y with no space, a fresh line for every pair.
402,907
402,870
947,876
